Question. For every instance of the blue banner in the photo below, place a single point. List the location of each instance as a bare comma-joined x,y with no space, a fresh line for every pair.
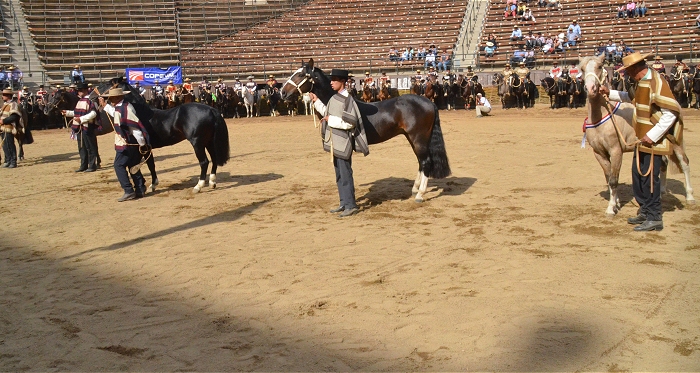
149,75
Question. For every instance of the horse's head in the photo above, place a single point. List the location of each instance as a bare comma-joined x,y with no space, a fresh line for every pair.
143,111
594,74
303,80
60,100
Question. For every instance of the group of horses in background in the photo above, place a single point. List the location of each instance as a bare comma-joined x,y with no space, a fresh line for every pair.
685,86
516,91
567,91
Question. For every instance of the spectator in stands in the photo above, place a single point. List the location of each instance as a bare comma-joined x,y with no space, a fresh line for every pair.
393,54
421,53
622,11
489,49
571,38
697,21
492,39
434,49
14,76
483,106
4,80
521,9
631,6
554,4
528,38
541,3
528,16
576,28
642,9
510,10
540,40
76,76
429,59
600,49
548,46
530,59
518,56
610,50
444,63
516,35
559,42
411,53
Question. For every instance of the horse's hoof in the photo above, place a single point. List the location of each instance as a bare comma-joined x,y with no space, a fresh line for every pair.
419,200
690,201
609,215
151,188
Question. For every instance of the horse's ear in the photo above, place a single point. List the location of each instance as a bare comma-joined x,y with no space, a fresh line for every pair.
311,63
601,59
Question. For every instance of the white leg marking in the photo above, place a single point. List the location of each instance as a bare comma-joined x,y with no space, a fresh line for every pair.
422,188
200,185
416,184
212,181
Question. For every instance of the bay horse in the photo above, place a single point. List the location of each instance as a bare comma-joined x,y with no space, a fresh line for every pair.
470,88
611,138
367,94
413,116
384,93
202,125
416,87
550,88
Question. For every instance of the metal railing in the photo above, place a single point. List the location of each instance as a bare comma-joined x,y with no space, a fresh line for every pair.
20,37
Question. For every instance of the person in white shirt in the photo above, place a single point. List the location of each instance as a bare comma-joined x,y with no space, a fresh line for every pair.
483,106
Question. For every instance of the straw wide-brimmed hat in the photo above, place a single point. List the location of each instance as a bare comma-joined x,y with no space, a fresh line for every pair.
170,81
521,63
657,57
251,77
76,66
25,88
7,91
115,92
188,79
219,80
632,59
489,44
270,76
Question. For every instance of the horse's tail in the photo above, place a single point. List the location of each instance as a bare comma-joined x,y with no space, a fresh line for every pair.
436,166
221,143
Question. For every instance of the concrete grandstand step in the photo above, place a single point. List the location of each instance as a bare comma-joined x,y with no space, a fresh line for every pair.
24,54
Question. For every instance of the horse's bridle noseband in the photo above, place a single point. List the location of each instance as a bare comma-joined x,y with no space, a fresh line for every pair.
307,78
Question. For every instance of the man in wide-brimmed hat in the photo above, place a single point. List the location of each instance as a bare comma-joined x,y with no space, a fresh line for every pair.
84,125
343,133
130,142
659,66
251,85
657,115
11,124
271,81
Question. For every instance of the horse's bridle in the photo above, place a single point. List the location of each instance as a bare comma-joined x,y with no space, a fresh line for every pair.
307,78
602,79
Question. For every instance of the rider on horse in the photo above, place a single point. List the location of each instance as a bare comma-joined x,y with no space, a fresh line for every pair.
682,70
220,86
384,81
522,71
555,73
271,81
170,91
141,91
659,66
251,86
156,89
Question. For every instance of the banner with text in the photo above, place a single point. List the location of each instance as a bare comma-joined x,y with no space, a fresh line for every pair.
149,75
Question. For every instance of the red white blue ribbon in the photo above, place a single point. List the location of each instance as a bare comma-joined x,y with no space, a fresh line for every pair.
587,125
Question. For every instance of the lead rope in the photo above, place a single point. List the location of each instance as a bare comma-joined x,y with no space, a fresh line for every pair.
636,143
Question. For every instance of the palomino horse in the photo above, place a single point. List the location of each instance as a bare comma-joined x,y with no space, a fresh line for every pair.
412,116
609,139
202,125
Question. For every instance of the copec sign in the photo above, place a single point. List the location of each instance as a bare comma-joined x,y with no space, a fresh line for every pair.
151,75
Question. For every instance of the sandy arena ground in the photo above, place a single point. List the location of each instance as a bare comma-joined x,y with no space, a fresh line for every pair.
510,264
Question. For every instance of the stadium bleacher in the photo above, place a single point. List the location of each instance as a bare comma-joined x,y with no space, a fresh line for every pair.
353,34
668,29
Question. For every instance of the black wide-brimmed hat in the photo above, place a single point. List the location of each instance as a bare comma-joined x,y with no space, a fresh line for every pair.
340,73
82,85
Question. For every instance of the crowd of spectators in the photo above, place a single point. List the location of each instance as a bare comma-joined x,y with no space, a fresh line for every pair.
632,9
613,52
430,56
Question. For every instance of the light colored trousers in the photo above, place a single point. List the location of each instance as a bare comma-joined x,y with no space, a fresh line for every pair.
481,110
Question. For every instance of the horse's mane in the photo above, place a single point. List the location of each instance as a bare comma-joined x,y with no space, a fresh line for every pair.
143,111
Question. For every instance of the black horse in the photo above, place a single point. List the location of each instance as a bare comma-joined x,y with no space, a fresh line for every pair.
550,88
410,115
202,125
695,85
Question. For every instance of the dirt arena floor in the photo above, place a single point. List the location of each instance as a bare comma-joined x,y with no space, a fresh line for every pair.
509,265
